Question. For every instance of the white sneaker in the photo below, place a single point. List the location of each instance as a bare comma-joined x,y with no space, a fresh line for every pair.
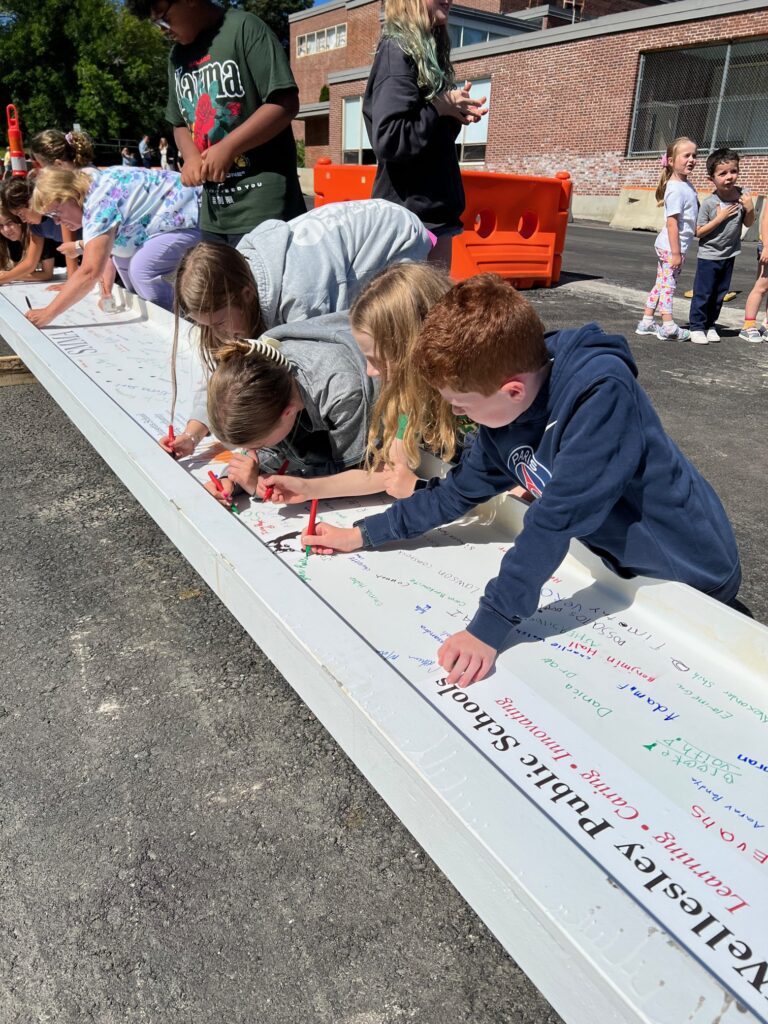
700,338
750,334
646,328
674,333
712,335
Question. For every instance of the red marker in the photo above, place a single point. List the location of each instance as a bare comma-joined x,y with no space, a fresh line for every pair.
171,434
216,482
311,527
268,492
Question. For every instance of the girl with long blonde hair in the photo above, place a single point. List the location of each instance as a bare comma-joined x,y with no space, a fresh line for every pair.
386,321
413,111
681,208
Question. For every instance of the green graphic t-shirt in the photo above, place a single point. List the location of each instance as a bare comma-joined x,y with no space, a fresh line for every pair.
216,83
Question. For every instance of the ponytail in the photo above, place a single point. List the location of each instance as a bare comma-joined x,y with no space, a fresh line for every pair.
249,390
73,147
667,162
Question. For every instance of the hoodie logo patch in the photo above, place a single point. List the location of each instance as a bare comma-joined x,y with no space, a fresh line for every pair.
529,473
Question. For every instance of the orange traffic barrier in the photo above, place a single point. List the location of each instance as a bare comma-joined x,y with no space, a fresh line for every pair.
514,224
335,183
15,143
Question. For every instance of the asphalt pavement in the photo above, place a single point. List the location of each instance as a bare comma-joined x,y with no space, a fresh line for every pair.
180,841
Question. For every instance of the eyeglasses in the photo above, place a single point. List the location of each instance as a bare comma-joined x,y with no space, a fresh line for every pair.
55,216
161,21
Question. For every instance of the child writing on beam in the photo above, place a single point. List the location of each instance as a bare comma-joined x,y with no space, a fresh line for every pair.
564,416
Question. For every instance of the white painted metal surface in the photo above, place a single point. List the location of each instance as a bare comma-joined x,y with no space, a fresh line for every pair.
593,951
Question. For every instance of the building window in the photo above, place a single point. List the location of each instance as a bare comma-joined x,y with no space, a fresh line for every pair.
470,145
324,39
466,35
356,146
715,95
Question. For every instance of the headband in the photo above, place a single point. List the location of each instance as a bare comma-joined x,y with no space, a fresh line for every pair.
69,137
268,347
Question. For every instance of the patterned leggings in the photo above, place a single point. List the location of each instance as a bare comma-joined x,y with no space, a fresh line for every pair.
660,297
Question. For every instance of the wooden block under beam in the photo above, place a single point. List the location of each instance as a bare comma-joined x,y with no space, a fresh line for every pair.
13,371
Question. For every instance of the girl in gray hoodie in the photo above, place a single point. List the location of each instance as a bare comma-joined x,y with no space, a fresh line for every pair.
294,280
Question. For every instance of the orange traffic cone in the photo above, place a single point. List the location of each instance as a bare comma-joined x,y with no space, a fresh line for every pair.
15,143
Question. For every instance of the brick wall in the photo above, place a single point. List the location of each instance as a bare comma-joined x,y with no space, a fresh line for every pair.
569,106
311,72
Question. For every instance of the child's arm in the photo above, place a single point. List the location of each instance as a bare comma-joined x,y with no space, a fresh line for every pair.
673,230
749,211
192,171
26,268
264,124
72,264
397,481
95,256
724,213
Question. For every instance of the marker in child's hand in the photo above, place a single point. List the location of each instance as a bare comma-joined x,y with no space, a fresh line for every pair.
29,304
311,527
220,488
171,438
270,489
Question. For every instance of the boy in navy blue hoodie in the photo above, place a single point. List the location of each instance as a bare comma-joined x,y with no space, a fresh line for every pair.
563,416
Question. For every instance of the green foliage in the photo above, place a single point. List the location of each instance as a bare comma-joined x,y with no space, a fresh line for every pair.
300,153
84,61
274,13
325,94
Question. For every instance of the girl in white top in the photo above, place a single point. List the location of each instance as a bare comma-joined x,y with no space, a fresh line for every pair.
681,208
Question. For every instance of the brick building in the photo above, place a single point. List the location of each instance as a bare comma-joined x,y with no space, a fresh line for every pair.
599,97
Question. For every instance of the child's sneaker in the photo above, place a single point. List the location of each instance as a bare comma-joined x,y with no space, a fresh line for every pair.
750,334
712,335
673,332
646,327
699,338
764,330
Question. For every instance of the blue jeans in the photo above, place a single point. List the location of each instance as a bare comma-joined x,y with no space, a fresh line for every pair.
712,281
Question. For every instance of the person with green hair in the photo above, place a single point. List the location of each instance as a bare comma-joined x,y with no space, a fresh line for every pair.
413,112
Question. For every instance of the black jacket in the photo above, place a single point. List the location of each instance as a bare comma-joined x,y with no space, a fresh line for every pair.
415,146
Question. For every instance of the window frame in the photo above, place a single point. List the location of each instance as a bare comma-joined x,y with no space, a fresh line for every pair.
339,40
720,98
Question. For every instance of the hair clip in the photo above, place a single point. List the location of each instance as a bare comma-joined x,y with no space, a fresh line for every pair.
69,138
267,347
664,160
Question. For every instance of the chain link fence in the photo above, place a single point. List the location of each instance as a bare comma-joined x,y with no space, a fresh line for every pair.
715,95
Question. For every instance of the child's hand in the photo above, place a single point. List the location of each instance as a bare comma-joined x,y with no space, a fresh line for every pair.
224,498
181,446
399,481
465,658
39,317
726,212
289,490
748,203
69,249
244,470
216,161
326,539
192,171
675,260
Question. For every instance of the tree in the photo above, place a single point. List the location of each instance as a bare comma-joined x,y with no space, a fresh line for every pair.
274,13
84,61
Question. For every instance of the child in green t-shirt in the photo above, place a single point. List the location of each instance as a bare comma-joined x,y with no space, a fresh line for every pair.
231,101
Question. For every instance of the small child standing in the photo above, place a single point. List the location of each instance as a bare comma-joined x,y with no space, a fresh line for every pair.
719,232
681,207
